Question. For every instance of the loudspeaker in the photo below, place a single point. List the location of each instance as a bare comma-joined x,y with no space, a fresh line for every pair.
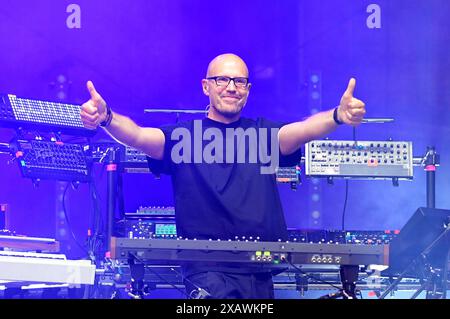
421,230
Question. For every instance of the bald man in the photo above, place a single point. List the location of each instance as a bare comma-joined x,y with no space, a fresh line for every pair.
219,166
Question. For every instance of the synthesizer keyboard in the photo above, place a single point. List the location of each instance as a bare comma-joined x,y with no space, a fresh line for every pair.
44,268
269,253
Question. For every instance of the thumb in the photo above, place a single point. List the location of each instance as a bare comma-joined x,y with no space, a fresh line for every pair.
92,91
351,87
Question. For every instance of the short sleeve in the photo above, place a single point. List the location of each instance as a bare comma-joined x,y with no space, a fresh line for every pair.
285,160
163,166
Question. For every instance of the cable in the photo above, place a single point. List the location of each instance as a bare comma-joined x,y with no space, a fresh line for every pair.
310,276
95,241
200,290
98,221
345,205
160,277
67,219
346,188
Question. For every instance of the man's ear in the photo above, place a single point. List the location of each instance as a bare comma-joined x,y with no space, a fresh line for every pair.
205,87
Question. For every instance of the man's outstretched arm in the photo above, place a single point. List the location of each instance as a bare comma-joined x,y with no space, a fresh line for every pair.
146,139
350,111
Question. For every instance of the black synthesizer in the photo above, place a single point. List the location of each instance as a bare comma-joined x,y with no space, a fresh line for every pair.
164,251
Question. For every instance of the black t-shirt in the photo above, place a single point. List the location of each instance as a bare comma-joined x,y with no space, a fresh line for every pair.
229,198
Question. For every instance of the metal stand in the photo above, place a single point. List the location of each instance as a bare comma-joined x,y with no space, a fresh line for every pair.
434,280
431,161
112,173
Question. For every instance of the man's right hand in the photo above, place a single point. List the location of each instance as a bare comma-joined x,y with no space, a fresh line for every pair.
93,112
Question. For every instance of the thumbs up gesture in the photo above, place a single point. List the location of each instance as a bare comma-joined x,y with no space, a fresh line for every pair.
351,110
93,112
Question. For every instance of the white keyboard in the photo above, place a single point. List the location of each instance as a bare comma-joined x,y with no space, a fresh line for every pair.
45,268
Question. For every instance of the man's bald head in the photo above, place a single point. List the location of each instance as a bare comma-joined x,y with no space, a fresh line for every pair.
227,60
226,101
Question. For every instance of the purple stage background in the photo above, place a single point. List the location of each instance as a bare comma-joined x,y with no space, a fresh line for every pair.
152,54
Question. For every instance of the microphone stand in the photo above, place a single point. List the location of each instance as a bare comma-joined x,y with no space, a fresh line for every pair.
377,120
177,111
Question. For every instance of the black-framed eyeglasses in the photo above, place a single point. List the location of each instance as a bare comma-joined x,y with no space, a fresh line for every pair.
240,82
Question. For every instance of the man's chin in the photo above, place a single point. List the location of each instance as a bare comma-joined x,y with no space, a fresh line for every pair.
230,111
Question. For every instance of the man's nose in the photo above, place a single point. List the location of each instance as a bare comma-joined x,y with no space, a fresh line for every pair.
231,86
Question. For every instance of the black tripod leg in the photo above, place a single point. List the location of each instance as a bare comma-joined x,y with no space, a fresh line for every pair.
397,281
445,274
437,285
419,291
391,287
349,277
